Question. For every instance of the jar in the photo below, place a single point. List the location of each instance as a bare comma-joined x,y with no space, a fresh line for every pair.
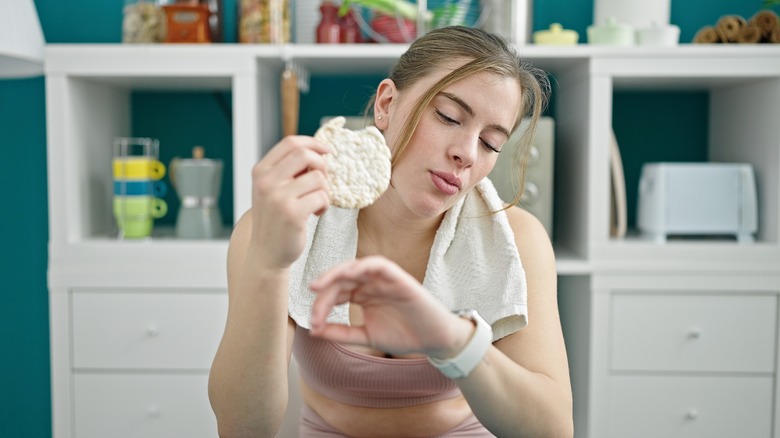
142,22
350,29
264,21
328,31
187,23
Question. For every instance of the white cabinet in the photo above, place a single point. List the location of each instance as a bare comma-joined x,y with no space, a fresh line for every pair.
656,334
673,355
150,405
690,406
663,331
146,329
137,362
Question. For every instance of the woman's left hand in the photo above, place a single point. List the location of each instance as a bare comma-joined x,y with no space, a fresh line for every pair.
399,315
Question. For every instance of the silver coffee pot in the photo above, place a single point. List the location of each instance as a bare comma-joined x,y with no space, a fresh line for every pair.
197,181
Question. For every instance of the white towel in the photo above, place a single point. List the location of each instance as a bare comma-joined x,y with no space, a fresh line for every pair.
473,264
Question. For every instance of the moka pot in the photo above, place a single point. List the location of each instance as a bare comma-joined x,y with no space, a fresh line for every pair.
197,182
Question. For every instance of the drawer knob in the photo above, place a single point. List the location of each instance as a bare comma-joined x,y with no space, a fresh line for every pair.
692,414
530,193
153,411
695,333
533,155
152,331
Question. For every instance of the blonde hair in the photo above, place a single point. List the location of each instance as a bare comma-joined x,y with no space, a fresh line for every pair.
483,52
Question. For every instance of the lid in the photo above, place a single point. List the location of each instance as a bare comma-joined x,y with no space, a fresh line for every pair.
612,25
611,33
556,35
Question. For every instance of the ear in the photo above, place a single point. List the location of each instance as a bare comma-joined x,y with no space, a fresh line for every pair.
386,94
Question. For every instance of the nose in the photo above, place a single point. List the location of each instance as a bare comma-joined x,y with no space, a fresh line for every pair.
464,151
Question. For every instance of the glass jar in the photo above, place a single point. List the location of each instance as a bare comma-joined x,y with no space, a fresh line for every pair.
264,21
328,30
143,21
350,30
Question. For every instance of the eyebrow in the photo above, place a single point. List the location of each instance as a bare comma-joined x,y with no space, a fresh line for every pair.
466,107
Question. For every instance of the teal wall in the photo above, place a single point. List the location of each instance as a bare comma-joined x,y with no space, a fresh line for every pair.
24,370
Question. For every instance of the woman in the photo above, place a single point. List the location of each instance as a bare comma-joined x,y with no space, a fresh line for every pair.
380,350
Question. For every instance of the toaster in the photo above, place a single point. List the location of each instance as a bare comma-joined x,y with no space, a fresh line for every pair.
697,199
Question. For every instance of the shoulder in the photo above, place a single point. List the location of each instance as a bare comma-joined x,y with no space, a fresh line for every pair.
531,239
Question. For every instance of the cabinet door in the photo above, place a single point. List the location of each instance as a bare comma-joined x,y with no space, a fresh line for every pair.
690,406
693,332
147,330
143,406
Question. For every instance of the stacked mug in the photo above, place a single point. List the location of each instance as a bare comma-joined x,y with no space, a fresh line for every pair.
138,188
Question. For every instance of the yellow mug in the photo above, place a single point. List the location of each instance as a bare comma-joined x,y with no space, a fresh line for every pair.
138,168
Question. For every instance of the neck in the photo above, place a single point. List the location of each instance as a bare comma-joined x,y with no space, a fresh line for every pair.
390,230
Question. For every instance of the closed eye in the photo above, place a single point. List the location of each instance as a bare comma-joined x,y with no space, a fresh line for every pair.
447,119
490,146
450,121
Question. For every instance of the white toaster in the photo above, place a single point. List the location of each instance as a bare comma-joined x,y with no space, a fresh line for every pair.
697,199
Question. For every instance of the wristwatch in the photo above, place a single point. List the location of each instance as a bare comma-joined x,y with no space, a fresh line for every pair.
464,362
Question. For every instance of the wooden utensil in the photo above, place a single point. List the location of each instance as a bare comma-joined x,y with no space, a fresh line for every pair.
290,102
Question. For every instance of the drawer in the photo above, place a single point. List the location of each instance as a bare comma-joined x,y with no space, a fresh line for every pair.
145,330
674,332
690,406
143,406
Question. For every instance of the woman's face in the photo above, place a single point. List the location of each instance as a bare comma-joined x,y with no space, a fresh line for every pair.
456,142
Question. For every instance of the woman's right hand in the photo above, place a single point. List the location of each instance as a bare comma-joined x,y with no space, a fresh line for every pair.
288,185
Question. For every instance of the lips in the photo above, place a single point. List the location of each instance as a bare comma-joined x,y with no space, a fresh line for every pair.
447,183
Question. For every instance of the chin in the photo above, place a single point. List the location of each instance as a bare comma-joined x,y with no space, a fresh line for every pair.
433,206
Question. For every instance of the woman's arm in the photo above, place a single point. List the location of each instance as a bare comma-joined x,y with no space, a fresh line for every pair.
522,386
248,379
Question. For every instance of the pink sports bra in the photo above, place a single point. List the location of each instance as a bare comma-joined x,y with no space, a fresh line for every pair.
363,380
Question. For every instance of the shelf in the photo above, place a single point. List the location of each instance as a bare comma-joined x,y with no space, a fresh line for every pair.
685,256
90,85
567,262
733,120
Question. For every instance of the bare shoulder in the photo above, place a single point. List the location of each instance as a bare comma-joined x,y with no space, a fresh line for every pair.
531,238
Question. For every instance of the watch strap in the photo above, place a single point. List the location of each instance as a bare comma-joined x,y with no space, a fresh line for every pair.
464,362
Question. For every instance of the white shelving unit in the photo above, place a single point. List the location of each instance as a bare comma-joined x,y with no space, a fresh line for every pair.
134,325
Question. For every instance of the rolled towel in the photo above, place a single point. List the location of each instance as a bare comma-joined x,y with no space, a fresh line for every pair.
728,27
775,36
749,34
706,35
766,21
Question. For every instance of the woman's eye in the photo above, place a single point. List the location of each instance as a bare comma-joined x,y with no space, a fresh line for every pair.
447,119
450,121
490,146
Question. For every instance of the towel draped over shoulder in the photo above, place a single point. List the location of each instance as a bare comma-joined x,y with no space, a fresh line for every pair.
473,263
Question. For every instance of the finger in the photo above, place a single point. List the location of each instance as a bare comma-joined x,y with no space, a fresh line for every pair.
315,202
296,163
305,184
281,149
330,277
329,297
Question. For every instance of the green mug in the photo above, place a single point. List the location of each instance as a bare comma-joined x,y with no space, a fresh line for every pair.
135,228
135,214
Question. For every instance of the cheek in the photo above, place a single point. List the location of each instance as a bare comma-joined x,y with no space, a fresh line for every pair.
483,168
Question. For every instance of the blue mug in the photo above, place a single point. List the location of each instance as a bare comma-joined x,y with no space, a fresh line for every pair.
157,188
